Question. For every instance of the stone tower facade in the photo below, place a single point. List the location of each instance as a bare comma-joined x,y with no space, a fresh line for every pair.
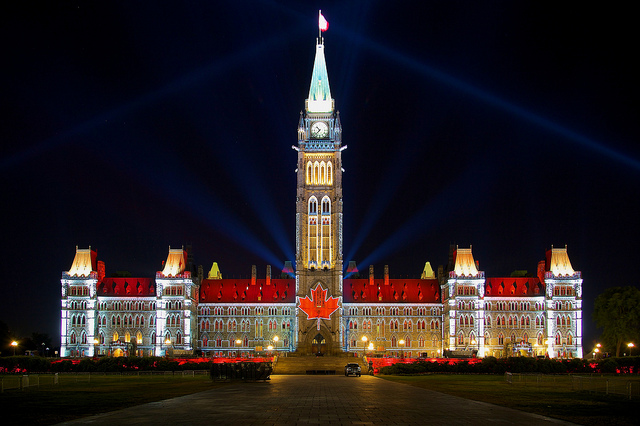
319,210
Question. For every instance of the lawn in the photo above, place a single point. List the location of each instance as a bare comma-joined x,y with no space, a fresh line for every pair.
551,397
76,396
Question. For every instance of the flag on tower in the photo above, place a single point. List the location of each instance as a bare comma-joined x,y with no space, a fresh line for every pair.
322,23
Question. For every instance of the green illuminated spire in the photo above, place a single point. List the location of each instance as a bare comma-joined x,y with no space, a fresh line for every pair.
319,99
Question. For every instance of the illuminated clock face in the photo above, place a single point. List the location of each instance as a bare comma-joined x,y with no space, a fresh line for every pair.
319,130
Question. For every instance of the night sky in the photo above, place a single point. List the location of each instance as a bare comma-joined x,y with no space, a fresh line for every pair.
133,126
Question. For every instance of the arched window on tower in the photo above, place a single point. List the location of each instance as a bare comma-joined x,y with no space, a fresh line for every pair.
309,173
313,232
329,173
316,173
326,231
323,171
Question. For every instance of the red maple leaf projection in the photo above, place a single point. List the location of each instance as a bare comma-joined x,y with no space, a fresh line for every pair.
319,306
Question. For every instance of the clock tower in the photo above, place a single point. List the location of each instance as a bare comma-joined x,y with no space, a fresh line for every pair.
319,213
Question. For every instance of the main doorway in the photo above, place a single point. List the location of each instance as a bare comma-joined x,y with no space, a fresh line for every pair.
319,345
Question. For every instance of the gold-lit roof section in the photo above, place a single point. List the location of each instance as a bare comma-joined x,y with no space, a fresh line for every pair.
83,263
175,263
465,264
427,273
214,273
560,264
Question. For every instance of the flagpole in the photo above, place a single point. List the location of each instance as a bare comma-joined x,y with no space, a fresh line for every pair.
319,29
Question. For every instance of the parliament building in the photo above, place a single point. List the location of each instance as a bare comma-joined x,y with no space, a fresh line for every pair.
315,305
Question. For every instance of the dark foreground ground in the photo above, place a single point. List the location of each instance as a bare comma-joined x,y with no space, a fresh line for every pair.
318,400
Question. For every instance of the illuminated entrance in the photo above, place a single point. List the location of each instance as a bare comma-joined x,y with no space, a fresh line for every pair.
319,345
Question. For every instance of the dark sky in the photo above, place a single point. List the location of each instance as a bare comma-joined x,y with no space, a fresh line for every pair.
132,126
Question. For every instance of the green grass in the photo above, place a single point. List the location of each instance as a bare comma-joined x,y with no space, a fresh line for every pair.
70,399
553,397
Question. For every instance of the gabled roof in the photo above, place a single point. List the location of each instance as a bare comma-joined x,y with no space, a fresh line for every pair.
214,273
513,287
83,263
397,291
127,287
319,99
428,271
175,263
230,290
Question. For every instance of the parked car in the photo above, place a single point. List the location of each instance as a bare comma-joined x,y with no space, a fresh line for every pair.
352,368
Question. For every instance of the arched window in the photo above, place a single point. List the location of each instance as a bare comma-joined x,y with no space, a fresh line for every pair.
325,241
139,337
116,336
558,338
471,320
501,339
309,174
313,232
84,338
460,338
323,171
72,338
539,340
127,337
316,173
178,338
329,173
394,342
569,339
205,340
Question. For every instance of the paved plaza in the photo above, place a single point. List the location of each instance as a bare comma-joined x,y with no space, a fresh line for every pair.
318,400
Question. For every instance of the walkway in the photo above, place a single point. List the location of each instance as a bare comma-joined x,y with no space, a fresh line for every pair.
318,400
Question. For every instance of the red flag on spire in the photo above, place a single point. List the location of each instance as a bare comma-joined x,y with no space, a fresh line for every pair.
322,23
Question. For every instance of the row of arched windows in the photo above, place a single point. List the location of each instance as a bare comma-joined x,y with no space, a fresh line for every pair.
80,320
563,320
467,321
512,321
173,320
319,173
77,305
319,240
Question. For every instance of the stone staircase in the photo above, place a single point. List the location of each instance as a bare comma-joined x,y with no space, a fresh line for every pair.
311,364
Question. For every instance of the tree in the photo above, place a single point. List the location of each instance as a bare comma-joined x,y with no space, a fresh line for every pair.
617,312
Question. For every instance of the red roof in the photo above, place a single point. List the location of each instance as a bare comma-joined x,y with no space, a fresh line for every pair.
133,287
397,291
230,290
513,287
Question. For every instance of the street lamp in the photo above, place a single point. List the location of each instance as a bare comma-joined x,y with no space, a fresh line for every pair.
401,344
238,343
630,346
168,343
95,347
275,342
14,344
364,344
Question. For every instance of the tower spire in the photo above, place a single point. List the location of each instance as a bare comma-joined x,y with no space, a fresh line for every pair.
319,99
